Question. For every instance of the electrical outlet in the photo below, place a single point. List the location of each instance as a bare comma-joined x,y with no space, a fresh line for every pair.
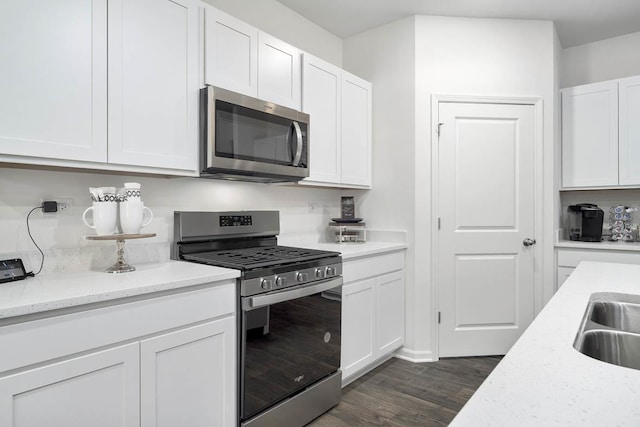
64,204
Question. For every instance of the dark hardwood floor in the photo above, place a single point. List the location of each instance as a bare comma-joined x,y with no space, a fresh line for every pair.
400,393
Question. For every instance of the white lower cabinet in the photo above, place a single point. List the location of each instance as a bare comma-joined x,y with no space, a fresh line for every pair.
372,312
164,361
188,376
99,389
569,258
358,322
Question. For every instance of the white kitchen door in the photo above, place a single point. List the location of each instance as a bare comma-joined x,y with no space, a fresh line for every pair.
485,273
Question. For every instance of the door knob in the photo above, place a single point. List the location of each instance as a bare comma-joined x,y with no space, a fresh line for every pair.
529,242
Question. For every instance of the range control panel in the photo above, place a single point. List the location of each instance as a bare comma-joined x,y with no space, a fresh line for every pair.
235,220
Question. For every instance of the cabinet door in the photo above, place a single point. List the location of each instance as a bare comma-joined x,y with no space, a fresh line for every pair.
358,326
356,131
629,144
279,71
188,377
153,83
321,100
590,135
53,79
389,313
563,274
99,390
230,52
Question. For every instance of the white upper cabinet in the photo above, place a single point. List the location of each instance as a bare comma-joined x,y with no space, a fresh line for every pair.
153,83
339,105
590,135
321,100
102,84
230,53
629,131
356,130
279,71
53,79
240,58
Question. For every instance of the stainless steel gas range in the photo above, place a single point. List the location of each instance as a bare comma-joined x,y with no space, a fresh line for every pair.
289,313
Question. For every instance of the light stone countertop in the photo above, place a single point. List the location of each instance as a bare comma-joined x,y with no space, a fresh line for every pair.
348,250
604,245
65,290
544,381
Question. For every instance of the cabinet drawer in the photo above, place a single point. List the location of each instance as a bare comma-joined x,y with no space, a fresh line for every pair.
361,268
573,257
40,340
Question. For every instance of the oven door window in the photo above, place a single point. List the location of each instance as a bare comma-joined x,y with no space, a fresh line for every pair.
286,347
246,134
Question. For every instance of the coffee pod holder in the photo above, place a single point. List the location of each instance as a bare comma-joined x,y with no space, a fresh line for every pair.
121,265
349,233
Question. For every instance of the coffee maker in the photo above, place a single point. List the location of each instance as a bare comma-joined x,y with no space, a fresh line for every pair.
585,222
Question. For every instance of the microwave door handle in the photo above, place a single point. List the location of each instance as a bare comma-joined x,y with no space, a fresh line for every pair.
296,158
291,294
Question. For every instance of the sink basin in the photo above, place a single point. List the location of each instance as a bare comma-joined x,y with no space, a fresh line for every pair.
615,347
617,315
610,330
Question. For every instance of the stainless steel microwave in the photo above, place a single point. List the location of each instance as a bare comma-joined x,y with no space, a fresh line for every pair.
249,139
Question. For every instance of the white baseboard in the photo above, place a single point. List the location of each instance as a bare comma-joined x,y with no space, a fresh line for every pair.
415,356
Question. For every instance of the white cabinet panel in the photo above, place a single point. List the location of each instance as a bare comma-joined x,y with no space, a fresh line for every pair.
372,312
53,79
231,53
390,312
590,135
188,377
279,71
153,83
629,143
563,274
99,390
339,104
358,323
356,130
321,100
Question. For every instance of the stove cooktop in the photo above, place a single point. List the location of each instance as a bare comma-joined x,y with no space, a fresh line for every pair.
258,257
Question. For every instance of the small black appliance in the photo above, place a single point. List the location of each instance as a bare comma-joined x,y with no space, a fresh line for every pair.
585,222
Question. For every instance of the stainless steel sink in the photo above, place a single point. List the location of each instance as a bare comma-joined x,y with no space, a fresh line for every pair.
615,347
617,315
610,329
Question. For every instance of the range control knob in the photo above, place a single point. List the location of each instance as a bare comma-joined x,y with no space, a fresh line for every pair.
330,271
302,277
266,284
281,281
321,273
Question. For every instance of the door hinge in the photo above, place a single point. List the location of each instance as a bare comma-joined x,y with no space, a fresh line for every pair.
439,318
438,223
438,128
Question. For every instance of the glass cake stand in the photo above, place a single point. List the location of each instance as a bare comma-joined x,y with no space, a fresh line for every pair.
121,265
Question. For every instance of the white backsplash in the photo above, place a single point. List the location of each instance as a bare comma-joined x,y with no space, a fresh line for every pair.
61,236
605,199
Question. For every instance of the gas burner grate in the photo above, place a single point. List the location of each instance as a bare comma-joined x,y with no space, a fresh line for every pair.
257,257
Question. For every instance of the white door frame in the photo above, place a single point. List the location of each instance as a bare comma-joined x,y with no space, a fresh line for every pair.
538,289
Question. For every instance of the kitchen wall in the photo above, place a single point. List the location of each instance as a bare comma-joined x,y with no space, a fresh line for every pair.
602,60
452,56
279,21
59,235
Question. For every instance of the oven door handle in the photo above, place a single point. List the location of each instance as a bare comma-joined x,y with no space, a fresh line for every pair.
287,295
